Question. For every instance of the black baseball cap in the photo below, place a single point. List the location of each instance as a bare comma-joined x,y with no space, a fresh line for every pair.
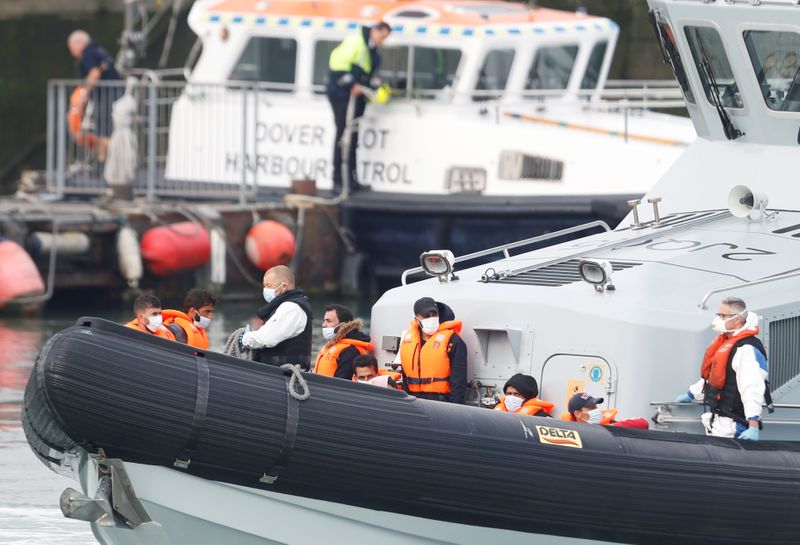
425,305
581,400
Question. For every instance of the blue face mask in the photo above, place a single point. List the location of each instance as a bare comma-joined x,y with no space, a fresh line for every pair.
269,294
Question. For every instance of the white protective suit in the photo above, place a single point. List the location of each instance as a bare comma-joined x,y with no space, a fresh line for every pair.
751,374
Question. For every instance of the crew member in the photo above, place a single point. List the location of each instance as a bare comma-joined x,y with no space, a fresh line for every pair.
432,355
583,408
285,336
520,397
189,326
344,341
95,65
352,64
365,369
733,383
148,317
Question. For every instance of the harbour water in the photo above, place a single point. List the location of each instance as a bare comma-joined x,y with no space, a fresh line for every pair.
29,492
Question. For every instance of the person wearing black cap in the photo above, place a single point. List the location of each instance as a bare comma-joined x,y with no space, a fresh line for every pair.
583,408
432,355
520,397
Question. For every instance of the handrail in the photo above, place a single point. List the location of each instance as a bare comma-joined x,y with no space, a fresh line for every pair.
504,248
747,284
700,403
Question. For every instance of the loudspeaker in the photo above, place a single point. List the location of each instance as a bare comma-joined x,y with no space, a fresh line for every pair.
742,201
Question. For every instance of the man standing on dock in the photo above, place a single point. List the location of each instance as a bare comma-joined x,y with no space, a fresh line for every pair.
352,65
285,336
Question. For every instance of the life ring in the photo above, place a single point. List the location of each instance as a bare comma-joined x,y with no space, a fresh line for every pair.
75,115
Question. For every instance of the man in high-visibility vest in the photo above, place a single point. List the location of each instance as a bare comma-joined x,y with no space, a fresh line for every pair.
352,64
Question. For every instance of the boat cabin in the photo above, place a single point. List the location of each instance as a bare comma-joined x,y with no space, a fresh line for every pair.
438,50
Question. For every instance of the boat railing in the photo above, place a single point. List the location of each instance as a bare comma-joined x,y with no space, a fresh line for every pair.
664,416
505,248
76,158
794,273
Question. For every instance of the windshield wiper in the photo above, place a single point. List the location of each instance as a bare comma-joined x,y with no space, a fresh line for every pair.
731,132
670,54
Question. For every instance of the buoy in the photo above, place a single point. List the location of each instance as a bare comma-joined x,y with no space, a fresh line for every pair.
176,247
218,256
269,243
128,255
71,243
19,276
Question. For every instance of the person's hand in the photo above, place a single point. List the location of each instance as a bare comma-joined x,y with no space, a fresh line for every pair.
750,434
255,323
246,329
684,398
356,90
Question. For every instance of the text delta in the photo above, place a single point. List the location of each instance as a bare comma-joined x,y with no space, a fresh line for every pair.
559,437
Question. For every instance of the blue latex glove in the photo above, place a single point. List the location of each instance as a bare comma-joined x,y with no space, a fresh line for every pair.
750,434
684,398
241,337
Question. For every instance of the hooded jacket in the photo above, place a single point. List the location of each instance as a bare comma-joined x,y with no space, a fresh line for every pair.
346,330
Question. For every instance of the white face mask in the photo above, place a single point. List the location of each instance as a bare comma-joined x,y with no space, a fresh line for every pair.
154,323
720,324
269,294
429,325
328,333
595,416
512,403
201,321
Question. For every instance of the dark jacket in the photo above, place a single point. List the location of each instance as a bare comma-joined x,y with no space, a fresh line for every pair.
296,349
458,363
348,330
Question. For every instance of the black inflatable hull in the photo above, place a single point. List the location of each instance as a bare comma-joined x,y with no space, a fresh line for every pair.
100,385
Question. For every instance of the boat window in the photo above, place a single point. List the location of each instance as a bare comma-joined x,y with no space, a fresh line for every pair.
494,73
552,67
776,60
322,54
394,68
592,75
717,77
669,50
435,68
271,60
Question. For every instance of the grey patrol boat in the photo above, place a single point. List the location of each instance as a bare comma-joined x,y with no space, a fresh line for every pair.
171,445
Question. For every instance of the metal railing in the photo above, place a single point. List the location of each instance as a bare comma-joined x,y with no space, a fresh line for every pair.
663,416
794,273
79,148
504,248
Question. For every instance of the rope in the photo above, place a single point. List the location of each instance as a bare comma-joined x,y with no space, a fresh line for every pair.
232,348
297,378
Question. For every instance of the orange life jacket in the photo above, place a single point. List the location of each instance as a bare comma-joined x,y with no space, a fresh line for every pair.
529,407
328,358
609,417
162,332
195,336
427,367
715,361
77,108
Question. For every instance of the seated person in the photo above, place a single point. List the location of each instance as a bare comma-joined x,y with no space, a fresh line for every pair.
365,369
189,326
583,408
520,397
148,317
344,341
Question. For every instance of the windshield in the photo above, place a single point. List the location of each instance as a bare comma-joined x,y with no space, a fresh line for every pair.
432,69
724,82
669,49
776,60
552,67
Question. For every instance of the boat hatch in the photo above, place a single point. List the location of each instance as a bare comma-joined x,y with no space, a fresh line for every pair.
555,275
568,374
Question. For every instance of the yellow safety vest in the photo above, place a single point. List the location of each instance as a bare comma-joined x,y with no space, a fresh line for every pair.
353,51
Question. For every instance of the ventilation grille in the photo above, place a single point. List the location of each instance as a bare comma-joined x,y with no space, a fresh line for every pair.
557,274
783,351
515,165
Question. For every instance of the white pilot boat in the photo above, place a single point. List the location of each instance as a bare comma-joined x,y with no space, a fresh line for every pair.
500,114
201,448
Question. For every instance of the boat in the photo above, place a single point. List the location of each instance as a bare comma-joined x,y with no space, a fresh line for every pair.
501,114
177,446
621,314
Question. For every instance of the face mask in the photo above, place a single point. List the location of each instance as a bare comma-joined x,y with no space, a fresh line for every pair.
154,323
201,321
595,416
328,333
718,325
269,294
430,325
512,403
